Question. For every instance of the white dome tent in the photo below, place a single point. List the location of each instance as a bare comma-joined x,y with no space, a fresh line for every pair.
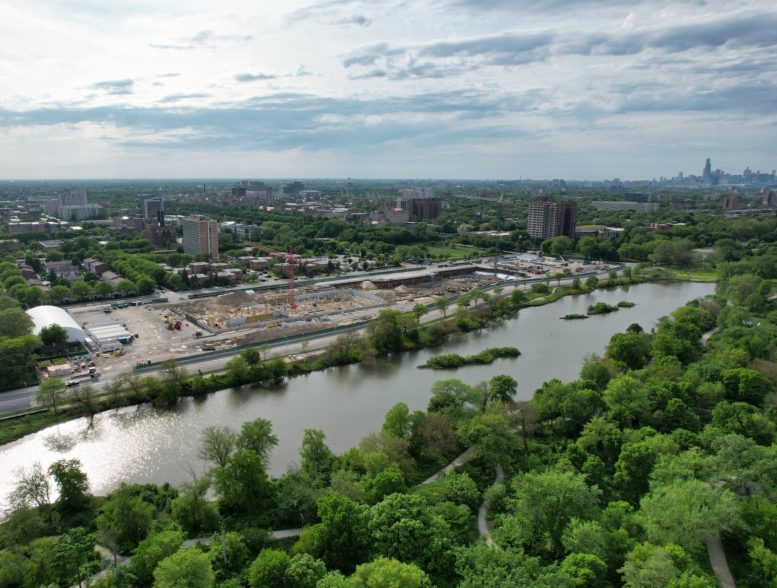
44,316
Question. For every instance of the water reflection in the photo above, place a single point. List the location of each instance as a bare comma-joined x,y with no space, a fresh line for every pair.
59,442
146,444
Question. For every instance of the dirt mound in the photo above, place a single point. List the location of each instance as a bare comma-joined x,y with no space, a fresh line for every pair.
402,290
368,285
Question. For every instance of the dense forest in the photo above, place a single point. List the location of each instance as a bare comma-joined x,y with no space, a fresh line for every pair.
624,477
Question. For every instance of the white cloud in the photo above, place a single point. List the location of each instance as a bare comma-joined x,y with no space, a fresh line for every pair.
570,86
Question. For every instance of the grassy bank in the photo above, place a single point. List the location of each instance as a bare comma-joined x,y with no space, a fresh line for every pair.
13,429
694,275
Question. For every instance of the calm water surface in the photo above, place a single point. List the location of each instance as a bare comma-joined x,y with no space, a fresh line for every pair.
142,444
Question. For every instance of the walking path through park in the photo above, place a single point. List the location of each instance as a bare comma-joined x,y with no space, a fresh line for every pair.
274,535
483,512
122,560
718,562
456,463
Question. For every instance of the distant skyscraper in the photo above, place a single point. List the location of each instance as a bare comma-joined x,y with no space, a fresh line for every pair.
201,236
707,173
548,218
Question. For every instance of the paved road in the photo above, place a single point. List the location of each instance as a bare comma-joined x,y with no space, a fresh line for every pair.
19,399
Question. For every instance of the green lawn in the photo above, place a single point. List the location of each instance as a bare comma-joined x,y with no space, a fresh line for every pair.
695,275
454,252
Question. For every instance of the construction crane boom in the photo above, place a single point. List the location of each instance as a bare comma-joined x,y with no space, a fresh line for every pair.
291,261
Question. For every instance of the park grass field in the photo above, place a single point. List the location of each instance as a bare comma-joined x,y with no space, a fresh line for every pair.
454,252
695,275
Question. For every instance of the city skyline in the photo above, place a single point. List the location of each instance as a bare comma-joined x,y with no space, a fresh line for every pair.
448,89
688,178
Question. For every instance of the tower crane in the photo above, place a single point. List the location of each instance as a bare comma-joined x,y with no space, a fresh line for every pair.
291,261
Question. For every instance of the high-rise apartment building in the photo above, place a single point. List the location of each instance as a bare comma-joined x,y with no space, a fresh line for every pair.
421,209
201,236
73,205
81,212
52,205
420,203
73,198
152,209
548,218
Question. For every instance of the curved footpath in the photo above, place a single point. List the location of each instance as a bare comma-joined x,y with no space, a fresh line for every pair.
122,560
456,463
718,562
483,512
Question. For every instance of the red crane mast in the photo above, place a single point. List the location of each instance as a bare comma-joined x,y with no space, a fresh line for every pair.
291,261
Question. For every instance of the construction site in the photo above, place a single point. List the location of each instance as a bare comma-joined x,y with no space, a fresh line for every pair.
255,316
248,316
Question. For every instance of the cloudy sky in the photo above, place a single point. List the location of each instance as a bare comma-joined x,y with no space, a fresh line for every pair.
500,89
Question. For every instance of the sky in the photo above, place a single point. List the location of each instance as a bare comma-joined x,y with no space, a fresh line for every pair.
459,89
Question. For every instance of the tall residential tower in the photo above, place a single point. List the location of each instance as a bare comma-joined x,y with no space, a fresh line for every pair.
548,218
201,236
